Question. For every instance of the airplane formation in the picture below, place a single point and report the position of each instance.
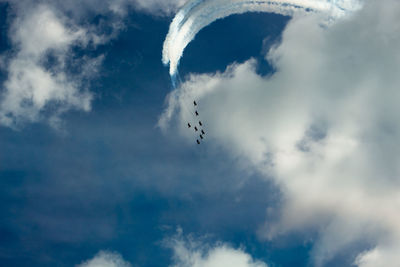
(200, 124)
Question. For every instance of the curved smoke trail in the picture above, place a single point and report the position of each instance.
(197, 14)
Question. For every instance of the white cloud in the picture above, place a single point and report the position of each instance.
(325, 126)
(30, 86)
(82, 8)
(159, 7)
(106, 259)
(196, 254)
(198, 14)
(41, 83)
(386, 255)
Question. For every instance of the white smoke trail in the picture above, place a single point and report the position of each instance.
(197, 14)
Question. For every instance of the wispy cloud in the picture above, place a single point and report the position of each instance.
(158, 7)
(46, 76)
(106, 259)
(188, 252)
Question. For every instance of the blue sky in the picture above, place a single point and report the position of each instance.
(111, 180)
(88, 178)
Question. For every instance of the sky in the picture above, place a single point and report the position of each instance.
(299, 162)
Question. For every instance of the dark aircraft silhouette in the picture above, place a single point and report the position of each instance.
(198, 142)
(189, 125)
(201, 137)
(194, 103)
(202, 132)
(195, 128)
(201, 124)
(197, 114)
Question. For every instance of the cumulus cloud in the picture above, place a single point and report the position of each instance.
(324, 126)
(191, 253)
(385, 255)
(45, 76)
(31, 86)
(106, 259)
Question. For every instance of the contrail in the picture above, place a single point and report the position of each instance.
(197, 14)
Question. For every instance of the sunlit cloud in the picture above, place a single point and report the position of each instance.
(324, 127)
(106, 259)
(188, 252)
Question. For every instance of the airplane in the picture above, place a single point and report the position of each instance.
(202, 132)
(189, 125)
(198, 142)
(201, 124)
(197, 114)
(201, 137)
(195, 128)
(194, 103)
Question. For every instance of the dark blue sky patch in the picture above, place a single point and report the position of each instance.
(4, 26)
(236, 38)
(5, 44)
